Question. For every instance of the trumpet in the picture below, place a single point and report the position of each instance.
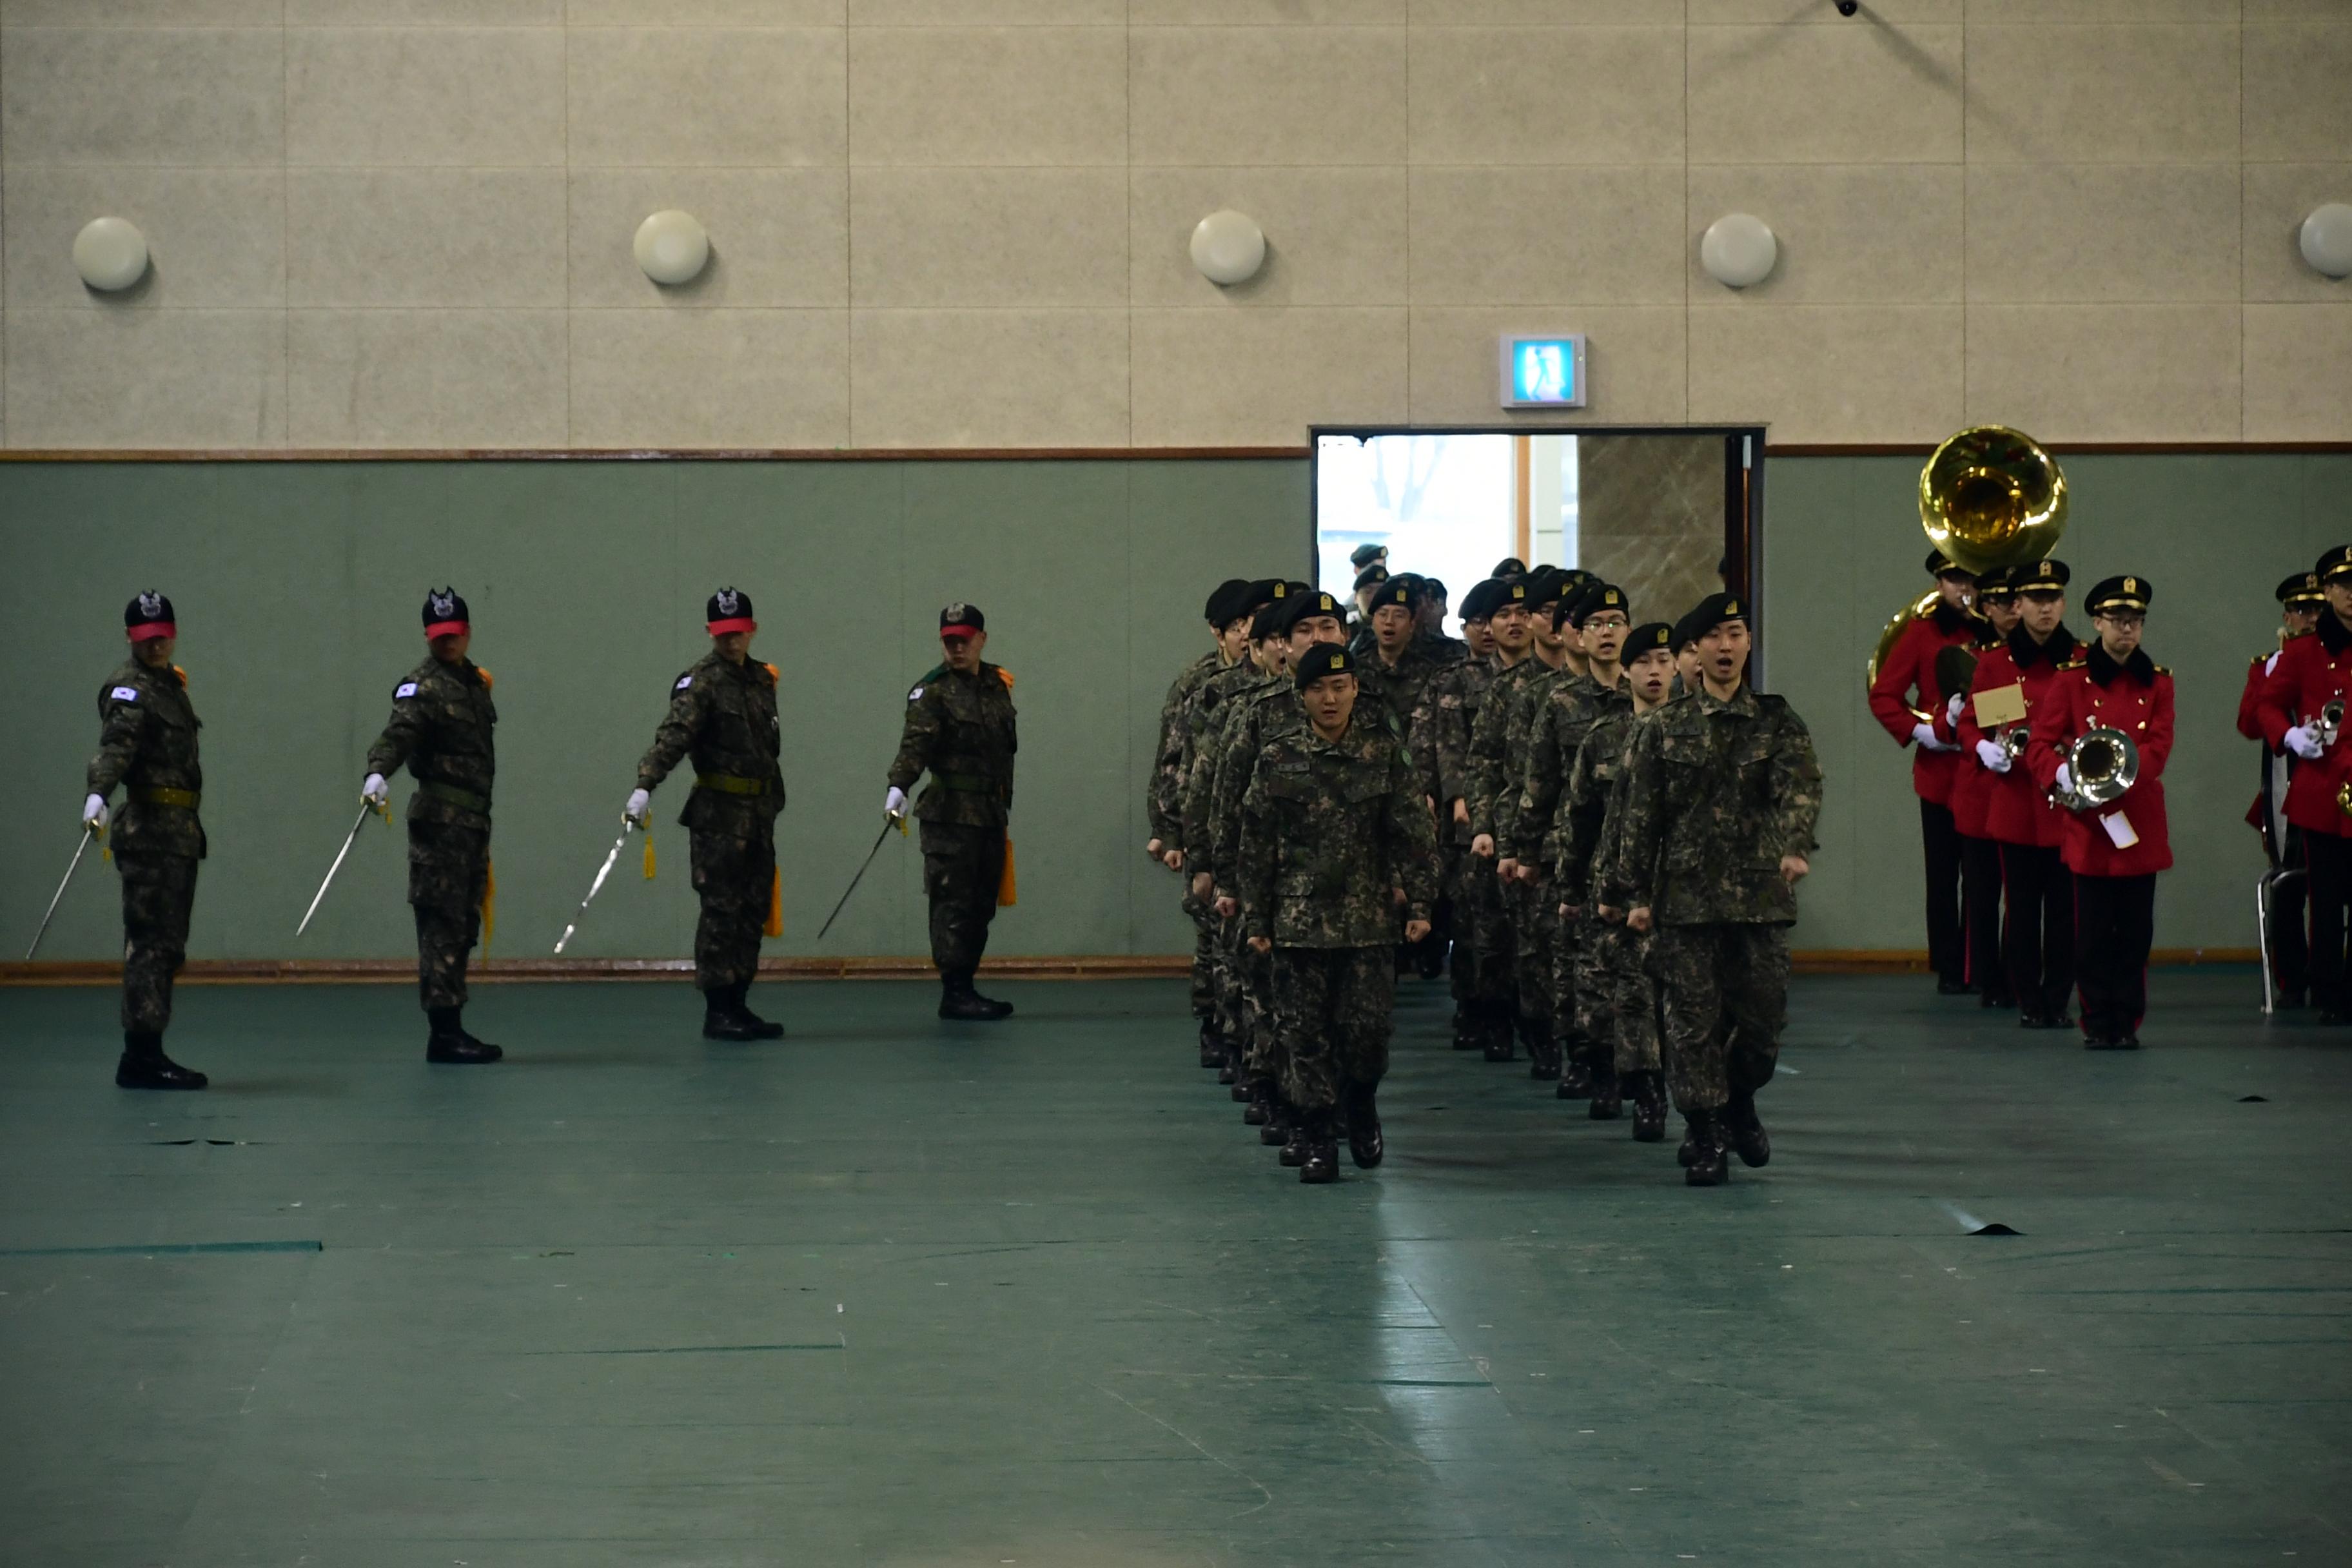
(2012, 741)
(2330, 723)
(2102, 766)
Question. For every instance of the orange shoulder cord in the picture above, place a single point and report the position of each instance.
(486, 681)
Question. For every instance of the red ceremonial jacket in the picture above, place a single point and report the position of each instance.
(2018, 810)
(2310, 672)
(2135, 697)
(2250, 720)
(1911, 667)
(1973, 782)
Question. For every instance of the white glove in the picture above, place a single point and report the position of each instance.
(1994, 756)
(93, 814)
(1952, 710)
(2065, 780)
(1925, 734)
(640, 806)
(895, 803)
(2302, 742)
(374, 791)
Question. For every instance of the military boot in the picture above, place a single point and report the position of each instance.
(448, 1042)
(1281, 1119)
(960, 1002)
(1212, 1045)
(1746, 1130)
(144, 1065)
(1322, 1159)
(1297, 1136)
(1607, 1095)
(1465, 1028)
(1647, 1091)
(1500, 1047)
(1254, 1109)
(1543, 1048)
(1575, 1079)
(1710, 1164)
(724, 1017)
(1366, 1145)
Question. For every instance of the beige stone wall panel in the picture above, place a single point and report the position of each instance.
(987, 378)
(2298, 358)
(425, 236)
(452, 97)
(1830, 372)
(1825, 95)
(214, 237)
(1848, 234)
(2103, 232)
(1547, 95)
(710, 378)
(988, 95)
(1243, 95)
(146, 378)
(1333, 236)
(142, 95)
(706, 95)
(2121, 94)
(425, 378)
(1262, 377)
(2298, 85)
(988, 237)
(2106, 373)
(1519, 235)
(778, 236)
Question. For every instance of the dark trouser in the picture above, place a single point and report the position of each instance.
(1723, 991)
(158, 892)
(1535, 929)
(1633, 998)
(2290, 939)
(1331, 1008)
(734, 877)
(1946, 952)
(2329, 859)
(1261, 1044)
(2040, 945)
(448, 867)
(1980, 893)
(1204, 956)
(963, 866)
(2115, 921)
(1495, 953)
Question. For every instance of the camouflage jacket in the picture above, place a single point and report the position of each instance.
(1329, 828)
(147, 742)
(961, 728)
(724, 715)
(1164, 796)
(1204, 724)
(1580, 848)
(441, 725)
(1443, 649)
(1498, 749)
(1716, 793)
(1561, 714)
(1440, 730)
(1400, 684)
(1266, 709)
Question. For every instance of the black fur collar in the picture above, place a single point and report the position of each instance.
(2105, 669)
(2026, 652)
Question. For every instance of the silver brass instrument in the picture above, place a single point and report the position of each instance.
(2330, 723)
(2102, 764)
(2012, 741)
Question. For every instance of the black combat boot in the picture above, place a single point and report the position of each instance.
(960, 1002)
(1322, 1159)
(1366, 1145)
(1575, 1079)
(1254, 1109)
(1746, 1130)
(1710, 1163)
(1298, 1134)
(1229, 1071)
(1281, 1118)
(1500, 1044)
(724, 1018)
(1465, 1028)
(1608, 1096)
(144, 1065)
(449, 1044)
(1647, 1091)
(1543, 1048)
(1213, 1046)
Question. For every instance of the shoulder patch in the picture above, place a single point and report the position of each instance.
(405, 689)
(916, 695)
(1006, 676)
(684, 681)
(124, 694)
(486, 681)
(774, 675)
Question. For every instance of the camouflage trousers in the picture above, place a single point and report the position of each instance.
(1261, 1046)
(1490, 982)
(1632, 997)
(158, 892)
(1723, 993)
(963, 866)
(448, 866)
(1584, 987)
(733, 876)
(1331, 1012)
(1536, 936)
(1204, 956)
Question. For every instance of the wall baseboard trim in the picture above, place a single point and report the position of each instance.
(1110, 966)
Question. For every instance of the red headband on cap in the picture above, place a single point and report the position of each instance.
(154, 630)
(733, 624)
(960, 630)
(447, 630)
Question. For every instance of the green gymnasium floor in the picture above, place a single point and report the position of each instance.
(883, 1294)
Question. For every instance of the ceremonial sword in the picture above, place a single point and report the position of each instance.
(887, 823)
(88, 833)
(319, 897)
(593, 887)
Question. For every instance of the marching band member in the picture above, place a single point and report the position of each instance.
(2301, 604)
(1972, 785)
(1911, 668)
(2312, 672)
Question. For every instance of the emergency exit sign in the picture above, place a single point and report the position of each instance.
(1543, 372)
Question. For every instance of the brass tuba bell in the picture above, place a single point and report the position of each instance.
(2101, 766)
(1991, 497)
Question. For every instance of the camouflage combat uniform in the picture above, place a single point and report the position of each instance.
(1717, 793)
(1616, 1001)
(1163, 806)
(723, 715)
(1241, 979)
(1329, 829)
(1498, 749)
(441, 724)
(147, 743)
(1566, 712)
(1402, 684)
(960, 729)
(1440, 740)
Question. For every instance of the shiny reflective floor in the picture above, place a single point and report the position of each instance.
(889, 1294)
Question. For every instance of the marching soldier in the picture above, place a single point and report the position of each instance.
(2312, 672)
(1495, 984)
(1434, 602)
(1911, 668)
(442, 728)
(2040, 946)
(1501, 742)
(1333, 827)
(1583, 850)
(1407, 659)
(2301, 604)
(1972, 787)
(960, 726)
(147, 743)
(1359, 600)
(1721, 800)
(2115, 849)
(722, 714)
(1230, 629)
(1441, 733)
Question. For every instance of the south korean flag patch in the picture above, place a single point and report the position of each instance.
(405, 689)
(916, 695)
(684, 681)
(124, 694)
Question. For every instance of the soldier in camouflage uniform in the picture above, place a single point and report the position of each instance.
(722, 714)
(1230, 631)
(1495, 985)
(1440, 738)
(1565, 711)
(959, 727)
(1333, 828)
(1615, 998)
(1717, 823)
(147, 743)
(1431, 613)
(1499, 746)
(1405, 661)
(441, 724)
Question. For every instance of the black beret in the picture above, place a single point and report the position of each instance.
(1649, 635)
(149, 609)
(1941, 565)
(1271, 620)
(2119, 593)
(1323, 659)
(1480, 601)
(1509, 566)
(1717, 609)
(1401, 591)
(728, 610)
(1224, 605)
(1264, 590)
(1433, 587)
(1595, 598)
(960, 616)
(1511, 593)
(444, 612)
(1690, 629)
(2337, 562)
(1313, 602)
(1365, 554)
(1546, 585)
(1375, 572)
(2041, 577)
(2302, 588)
